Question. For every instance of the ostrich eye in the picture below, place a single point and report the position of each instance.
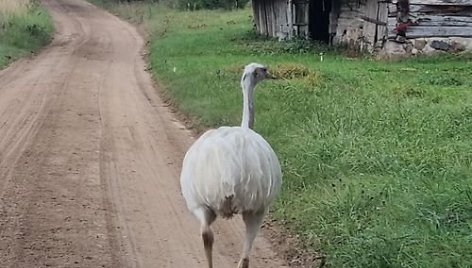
(262, 71)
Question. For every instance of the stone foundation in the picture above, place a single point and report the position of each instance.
(425, 46)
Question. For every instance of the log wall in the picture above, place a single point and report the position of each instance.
(434, 18)
(366, 24)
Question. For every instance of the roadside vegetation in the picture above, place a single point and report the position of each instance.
(24, 28)
(377, 156)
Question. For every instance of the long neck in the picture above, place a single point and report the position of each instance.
(248, 103)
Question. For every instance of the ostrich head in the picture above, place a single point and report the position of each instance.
(253, 74)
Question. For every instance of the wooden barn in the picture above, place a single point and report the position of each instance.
(398, 26)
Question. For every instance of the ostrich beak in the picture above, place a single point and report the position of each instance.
(270, 76)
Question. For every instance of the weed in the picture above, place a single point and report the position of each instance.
(25, 27)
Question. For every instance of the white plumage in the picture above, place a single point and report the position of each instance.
(230, 162)
(232, 170)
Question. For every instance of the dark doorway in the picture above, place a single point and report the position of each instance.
(319, 20)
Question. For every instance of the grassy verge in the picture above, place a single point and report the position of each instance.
(24, 28)
(377, 156)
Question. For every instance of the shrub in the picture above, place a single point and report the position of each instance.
(212, 4)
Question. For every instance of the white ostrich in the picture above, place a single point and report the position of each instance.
(232, 170)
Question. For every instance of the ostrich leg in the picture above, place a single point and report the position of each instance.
(206, 217)
(253, 223)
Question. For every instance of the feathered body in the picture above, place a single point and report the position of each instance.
(230, 170)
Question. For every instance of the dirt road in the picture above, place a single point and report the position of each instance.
(90, 158)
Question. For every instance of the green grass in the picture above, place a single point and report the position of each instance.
(376, 155)
(23, 32)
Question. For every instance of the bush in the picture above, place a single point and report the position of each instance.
(32, 30)
(23, 28)
(212, 4)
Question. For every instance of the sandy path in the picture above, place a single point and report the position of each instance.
(90, 158)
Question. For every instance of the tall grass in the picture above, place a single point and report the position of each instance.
(377, 156)
(24, 27)
(13, 7)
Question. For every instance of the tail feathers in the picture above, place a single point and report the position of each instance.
(228, 208)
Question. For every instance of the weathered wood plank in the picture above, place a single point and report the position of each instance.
(349, 23)
(270, 18)
(428, 20)
(370, 28)
(257, 17)
(434, 10)
(382, 16)
(280, 18)
(263, 17)
(345, 8)
(391, 25)
(439, 2)
(373, 21)
(333, 18)
(447, 31)
(290, 19)
(349, 13)
(278, 13)
(350, 16)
